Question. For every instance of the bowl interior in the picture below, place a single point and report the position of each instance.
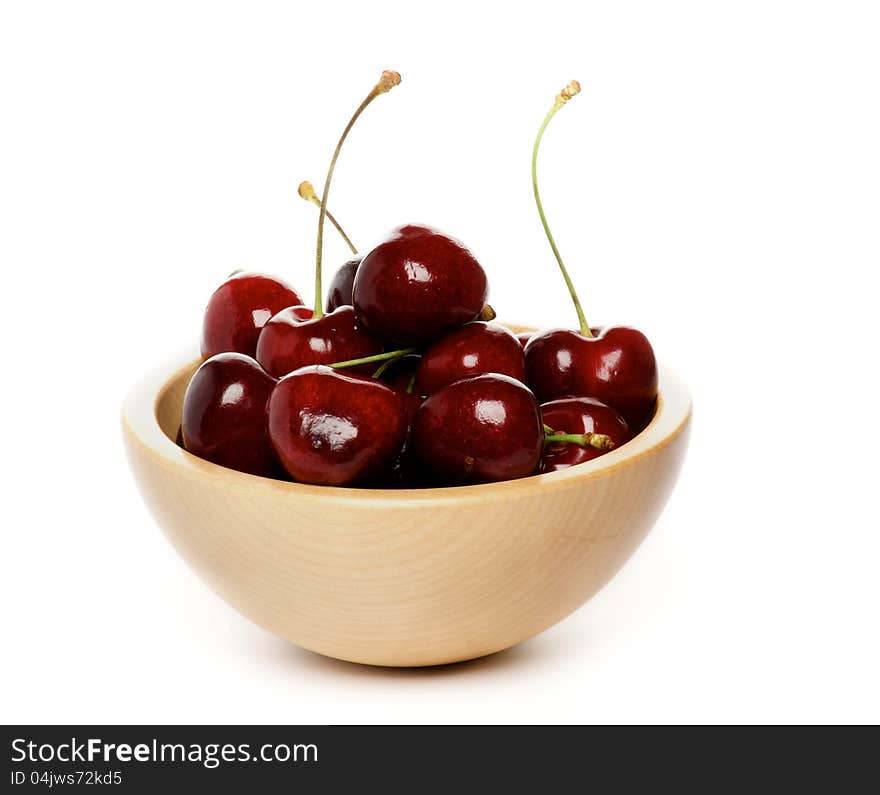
(169, 400)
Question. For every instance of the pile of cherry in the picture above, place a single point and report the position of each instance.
(402, 380)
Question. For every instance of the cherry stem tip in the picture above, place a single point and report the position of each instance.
(598, 440)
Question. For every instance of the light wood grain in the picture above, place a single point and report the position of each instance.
(402, 578)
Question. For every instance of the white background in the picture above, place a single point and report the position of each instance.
(715, 184)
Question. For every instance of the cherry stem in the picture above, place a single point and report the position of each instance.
(548, 430)
(383, 367)
(566, 94)
(307, 191)
(379, 357)
(386, 82)
(598, 440)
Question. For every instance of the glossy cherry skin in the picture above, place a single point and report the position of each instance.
(418, 285)
(617, 366)
(477, 430)
(525, 337)
(294, 339)
(473, 349)
(341, 285)
(238, 310)
(224, 415)
(333, 429)
(579, 415)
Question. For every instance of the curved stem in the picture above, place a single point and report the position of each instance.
(386, 83)
(379, 357)
(383, 367)
(308, 193)
(566, 94)
(598, 440)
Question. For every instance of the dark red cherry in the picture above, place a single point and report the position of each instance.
(333, 429)
(224, 414)
(418, 285)
(580, 415)
(473, 349)
(479, 429)
(238, 310)
(339, 293)
(294, 339)
(616, 366)
(524, 337)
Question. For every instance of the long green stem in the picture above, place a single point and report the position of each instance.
(598, 440)
(379, 357)
(307, 191)
(566, 94)
(385, 84)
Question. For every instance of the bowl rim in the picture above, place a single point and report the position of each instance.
(141, 426)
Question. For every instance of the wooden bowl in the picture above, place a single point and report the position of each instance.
(402, 578)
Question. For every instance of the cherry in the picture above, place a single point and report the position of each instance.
(224, 415)
(479, 429)
(238, 310)
(473, 349)
(295, 338)
(341, 285)
(617, 365)
(417, 285)
(581, 429)
(334, 429)
(524, 337)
